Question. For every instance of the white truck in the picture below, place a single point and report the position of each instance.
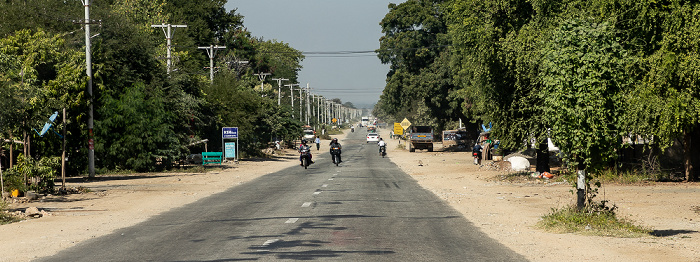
(365, 121)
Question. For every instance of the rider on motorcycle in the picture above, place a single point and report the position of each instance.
(381, 144)
(336, 148)
(476, 152)
(306, 147)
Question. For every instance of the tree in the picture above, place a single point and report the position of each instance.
(666, 103)
(141, 133)
(415, 45)
(583, 72)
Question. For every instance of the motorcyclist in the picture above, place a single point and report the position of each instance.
(381, 144)
(333, 145)
(476, 152)
(306, 147)
(352, 128)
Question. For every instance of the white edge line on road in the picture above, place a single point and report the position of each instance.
(306, 204)
(317, 192)
(330, 179)
(289, 221)
(324, 185)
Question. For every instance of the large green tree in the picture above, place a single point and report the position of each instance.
(415, 45)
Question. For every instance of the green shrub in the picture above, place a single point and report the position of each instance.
(602, 222)
(44, 171)
(6, 218)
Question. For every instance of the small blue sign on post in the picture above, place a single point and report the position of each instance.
(230, 150)
(229, 132)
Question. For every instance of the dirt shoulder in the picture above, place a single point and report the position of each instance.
(506, 212)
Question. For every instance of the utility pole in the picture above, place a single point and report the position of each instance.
(301, 108)
(262, 76)
(308, 105)
(88, 71)
(211, 51)
(279, 88)
(169, 30)
(291, 95)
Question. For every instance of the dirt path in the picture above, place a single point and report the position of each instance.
(506, 212)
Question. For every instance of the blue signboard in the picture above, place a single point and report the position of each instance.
(229, 132)
(230, 150)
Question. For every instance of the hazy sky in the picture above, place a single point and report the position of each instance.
(326, 26)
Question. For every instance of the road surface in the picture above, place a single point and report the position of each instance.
(366, 209)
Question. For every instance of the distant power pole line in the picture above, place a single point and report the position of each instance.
(211, 51)
(279, 88)
(169, 30)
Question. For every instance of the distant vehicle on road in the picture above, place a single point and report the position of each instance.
(420, 137)
(309, 135)
(372, 137)
(365, 121)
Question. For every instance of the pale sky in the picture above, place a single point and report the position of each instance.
(326, 26)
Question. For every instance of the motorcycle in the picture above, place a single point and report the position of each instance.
(335, 154)
(382, 151)
(352, 129)
(305, 158)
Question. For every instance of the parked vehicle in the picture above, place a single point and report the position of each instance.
(420, 137)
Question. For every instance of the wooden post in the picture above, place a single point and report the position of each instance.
(2, 182)
(63, 154)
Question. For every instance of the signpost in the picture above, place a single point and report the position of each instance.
(405, 124)
(229, 133)
(398, 129)
(230, 150)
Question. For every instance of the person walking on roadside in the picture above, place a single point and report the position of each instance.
(318, 143)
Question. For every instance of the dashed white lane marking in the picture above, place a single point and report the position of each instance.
(324, 185)
(306, 204)
(330, 179)
(290, 221)
(317, 192)
(266, 244)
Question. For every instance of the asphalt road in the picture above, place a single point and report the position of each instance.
(366, 209)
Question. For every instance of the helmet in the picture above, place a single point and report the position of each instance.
(303, 142)
(335, 140)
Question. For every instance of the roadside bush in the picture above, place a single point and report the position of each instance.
(42, 172)
(6, 218)
(595, 218)
(602, 222)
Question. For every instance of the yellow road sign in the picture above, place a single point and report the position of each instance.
(405, 123)
(334, 120)
(398, 129)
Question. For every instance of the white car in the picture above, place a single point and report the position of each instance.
(372, 137)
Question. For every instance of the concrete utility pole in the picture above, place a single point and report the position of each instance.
(291, 95)
(279, 88)
(211, 51)
(88, 71)
(169, 30)
(301, 108)
(308, 105)
(262, 76)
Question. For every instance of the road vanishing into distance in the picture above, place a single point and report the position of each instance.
(366, 209)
